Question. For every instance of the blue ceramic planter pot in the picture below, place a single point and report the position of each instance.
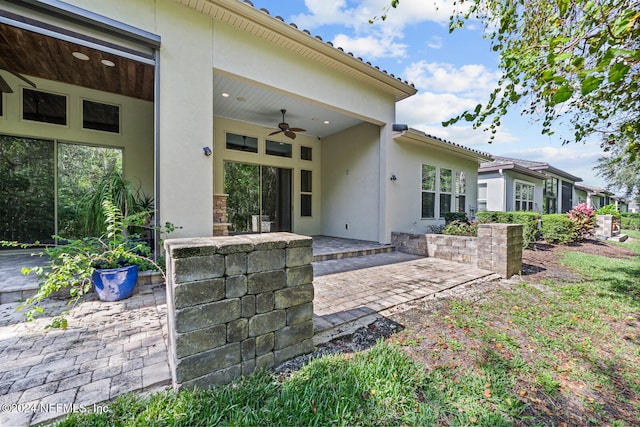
(114, 284)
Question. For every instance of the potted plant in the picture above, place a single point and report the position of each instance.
(108, 263)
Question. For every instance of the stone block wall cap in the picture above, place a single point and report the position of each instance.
(221, 195)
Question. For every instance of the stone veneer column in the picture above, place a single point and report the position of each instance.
(500, 248)
(220, 224)
(237, 304)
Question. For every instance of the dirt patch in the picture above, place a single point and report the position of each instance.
(542, 261)
(431, 334)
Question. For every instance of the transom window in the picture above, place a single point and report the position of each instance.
(280, 149)
(242, 143)
(44, 107)
(100, 116)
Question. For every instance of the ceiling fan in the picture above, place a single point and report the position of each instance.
(4, 86)
(284, 127)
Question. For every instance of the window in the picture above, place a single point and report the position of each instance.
(550, 201)
(461, 191)
(242, 143)
(482, 197)
(446, 188)
(524, 196)
(306, 153)
(99, 116)
(280, 149)
(305, 190)
(428, 191)
(44, 107)
(1, 104)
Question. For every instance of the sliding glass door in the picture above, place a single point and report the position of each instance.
(43, 183)
(259, 198)
(27, 195)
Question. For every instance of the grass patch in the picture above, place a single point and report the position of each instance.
(531, 354)
(381, 386)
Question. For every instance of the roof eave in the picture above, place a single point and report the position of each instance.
(244, 11)
(415, 136)
(514, 167)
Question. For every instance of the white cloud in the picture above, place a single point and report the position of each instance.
(473, 79)
(370, 47)
(434, 42)
(428, 107)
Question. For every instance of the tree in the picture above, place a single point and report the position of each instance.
(573, 60)
(621, 169)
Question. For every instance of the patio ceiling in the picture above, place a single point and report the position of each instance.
(33, 54)
(258, 105)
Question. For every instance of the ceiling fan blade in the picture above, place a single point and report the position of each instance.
(290, 134)
(273, 133)
(297, 129)
(4, 86)
(23, 78)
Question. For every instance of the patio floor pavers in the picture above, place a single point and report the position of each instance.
(113, 348)
(108, 349)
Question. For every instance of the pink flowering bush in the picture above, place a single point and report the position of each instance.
(584, 219)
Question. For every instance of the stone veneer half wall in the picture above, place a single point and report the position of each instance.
(497, 248)
(237, 304)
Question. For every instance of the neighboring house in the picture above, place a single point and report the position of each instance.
(597, 197)
(189, 94)
(507, 184)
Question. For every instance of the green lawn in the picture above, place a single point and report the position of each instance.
(525, 354)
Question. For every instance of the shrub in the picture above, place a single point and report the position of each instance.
(529, 221)
(558, 228)
(461, 228)
(455, 216)
(609, 210)
(583, 218)
(630, 220)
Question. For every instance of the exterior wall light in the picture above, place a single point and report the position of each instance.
(393, 178)
(207, 151)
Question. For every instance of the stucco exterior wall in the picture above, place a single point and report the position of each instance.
(404, 194)
(496, 197)
(136, 126)
(501, 190)
(246, 57)
(350, 183)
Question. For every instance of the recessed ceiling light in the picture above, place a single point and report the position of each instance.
(108, 63)
(326, 122)
(224, 94)
(81, 56)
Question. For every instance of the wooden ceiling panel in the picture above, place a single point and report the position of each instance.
(34, 54)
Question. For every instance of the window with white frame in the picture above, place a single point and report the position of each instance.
(461, 191)
(428, 191)
(524, 196)
(482, 197)
(446, 188)
(305, 192)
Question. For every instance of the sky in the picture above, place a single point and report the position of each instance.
(452, 72)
